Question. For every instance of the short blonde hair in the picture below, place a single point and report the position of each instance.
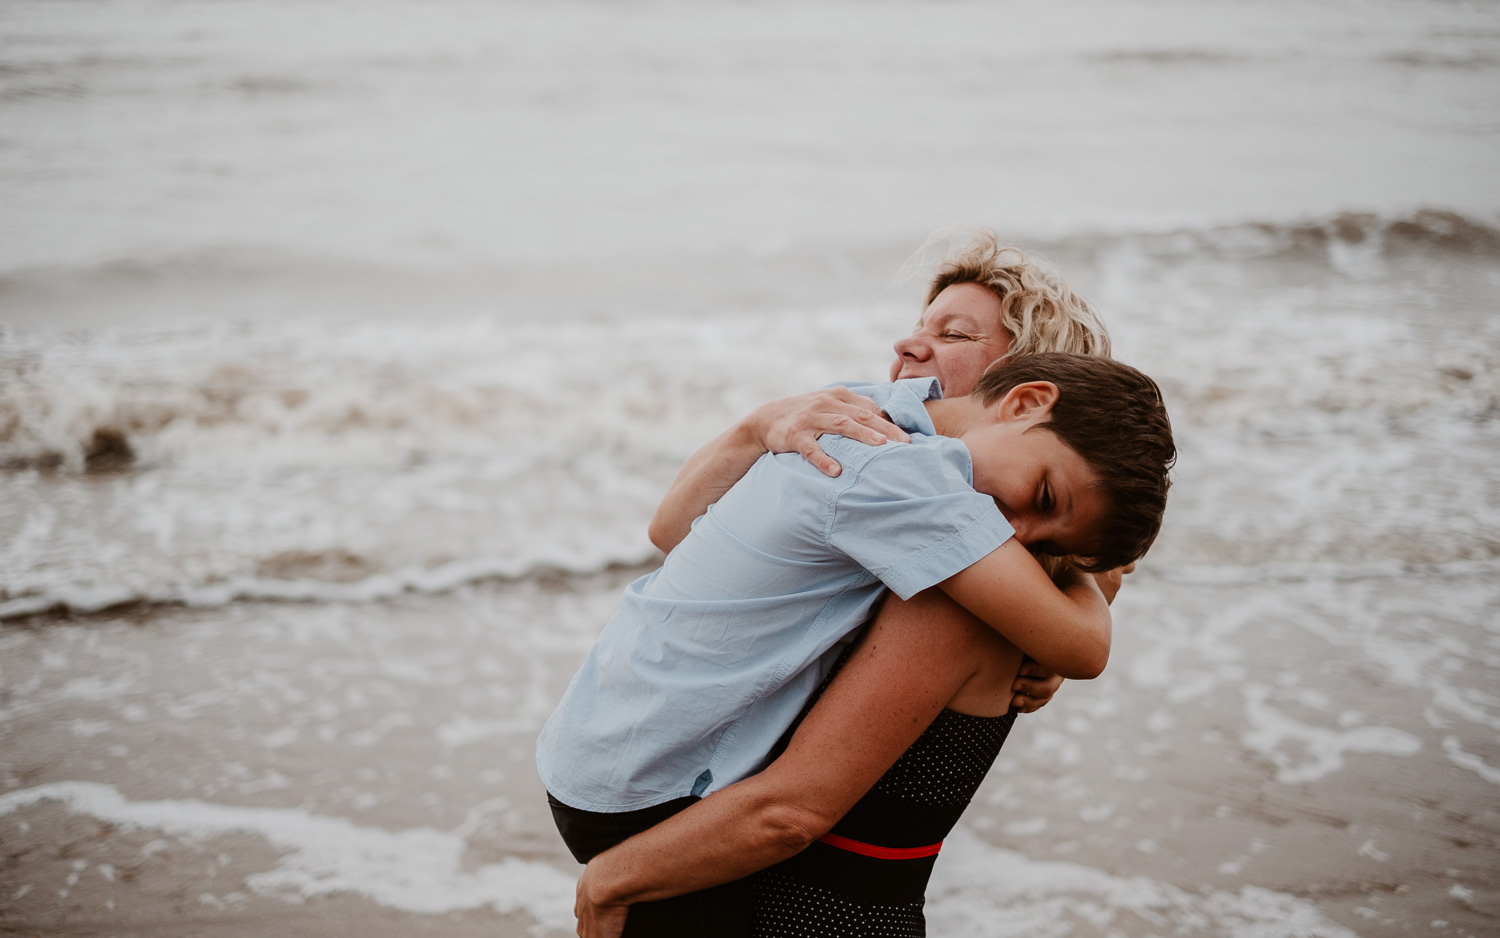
(1039, 310)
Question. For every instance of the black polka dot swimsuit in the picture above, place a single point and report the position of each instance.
(868, 877)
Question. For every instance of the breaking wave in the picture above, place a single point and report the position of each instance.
(1334, 385)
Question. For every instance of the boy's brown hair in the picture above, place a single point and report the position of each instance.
(1113, 416)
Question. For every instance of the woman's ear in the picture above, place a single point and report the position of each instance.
(1031, 401)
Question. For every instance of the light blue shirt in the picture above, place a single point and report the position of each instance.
(710, 658)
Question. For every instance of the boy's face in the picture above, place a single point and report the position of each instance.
(1047, 492)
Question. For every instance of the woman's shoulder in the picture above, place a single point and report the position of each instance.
(989, 691)
(932, 631)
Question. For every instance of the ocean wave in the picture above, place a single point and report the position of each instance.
(307, 460)
(72, 600)
(1345, 417)
(1171, 57)
(1422, 58)
(1342, 243)
(1315, 572)
(284, 393)
(216, 265)
(1419, 231)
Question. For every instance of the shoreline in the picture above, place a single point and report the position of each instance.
(281, 763)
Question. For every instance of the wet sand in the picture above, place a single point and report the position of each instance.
(1248, 765)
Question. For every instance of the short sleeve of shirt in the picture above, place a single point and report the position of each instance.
(912, 518)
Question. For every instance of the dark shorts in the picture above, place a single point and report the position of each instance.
(709, 913)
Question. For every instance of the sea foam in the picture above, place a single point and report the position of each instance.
(415, 870)
(978, 889)
(1331, 425)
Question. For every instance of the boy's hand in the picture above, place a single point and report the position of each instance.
(793, 424)
(596, 920)
(1034, 688)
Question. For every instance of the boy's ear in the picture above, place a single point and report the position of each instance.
(1030, 401)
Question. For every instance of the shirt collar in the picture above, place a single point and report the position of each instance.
(904, 406)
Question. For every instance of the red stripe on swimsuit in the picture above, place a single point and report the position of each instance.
(881, 853)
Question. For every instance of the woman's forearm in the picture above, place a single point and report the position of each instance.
(746, 827)
(909, 664)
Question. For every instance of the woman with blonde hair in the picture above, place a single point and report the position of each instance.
(987, 302)
(897, 742)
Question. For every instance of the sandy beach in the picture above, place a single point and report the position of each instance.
(272, 768)
(345, 350)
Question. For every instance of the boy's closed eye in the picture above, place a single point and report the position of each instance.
(1044, 500)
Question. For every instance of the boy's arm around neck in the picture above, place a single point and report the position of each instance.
(1064, 627)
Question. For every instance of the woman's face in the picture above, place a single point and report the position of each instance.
(958, 339)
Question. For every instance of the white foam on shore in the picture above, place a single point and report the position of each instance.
(1467, 760)
(1325, 748)
(380, 586)
(1279, 573)
(312, 461)
(990, 892)
(978, 889)
(418, 870)
(308, 462)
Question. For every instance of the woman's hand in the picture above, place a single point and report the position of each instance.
(793, 424)
(596, 920)
(790, 425)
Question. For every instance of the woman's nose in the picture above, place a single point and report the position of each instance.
(914, 348)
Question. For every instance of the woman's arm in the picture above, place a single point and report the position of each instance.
(789, 425)
(916, 658)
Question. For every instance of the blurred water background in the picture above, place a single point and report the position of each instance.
(408, 312)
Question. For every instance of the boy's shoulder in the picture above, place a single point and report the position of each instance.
(929, 462)
(903, 401)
